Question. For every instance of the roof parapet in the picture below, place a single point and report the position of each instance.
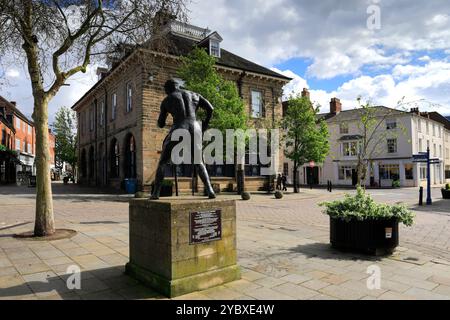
(189, 31)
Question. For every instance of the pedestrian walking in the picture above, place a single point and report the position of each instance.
(284, 182)
(279, 180)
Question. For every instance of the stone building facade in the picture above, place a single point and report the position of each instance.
(117, 118)
(400, 135)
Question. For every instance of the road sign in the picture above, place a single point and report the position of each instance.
(420, 157)
(424, 157)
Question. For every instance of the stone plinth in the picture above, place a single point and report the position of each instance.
(166, 256)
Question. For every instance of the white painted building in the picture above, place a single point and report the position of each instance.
(401, 134)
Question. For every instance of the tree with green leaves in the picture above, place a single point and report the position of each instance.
(200, 75)
(305, 136)
(65, 127)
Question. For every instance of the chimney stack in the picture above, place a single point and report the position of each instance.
(13, 103)
(335, 106)
(305, 93)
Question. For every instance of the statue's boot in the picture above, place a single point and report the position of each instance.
(156, 191)
(206, 181)
(154, 197)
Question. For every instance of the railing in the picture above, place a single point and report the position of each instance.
(189, 30)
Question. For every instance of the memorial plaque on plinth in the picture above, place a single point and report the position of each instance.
(182, 245)
(205, 226)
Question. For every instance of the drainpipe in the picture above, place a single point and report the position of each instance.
(275, 94)
(240, 83)
(96, 142)
(240, 178)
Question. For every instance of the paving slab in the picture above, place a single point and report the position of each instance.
(283, 249)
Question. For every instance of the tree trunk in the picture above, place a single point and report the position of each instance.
(361, 171)
(44, 224)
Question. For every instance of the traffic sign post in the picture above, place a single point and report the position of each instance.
(429, 200)
(424, 157)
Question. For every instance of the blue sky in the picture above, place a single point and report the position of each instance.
(300, 67)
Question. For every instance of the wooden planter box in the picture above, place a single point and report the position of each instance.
(445, 194)
(370, 236)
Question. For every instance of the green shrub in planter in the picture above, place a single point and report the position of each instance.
(447, 186)
(278, 194)
(396, 184)
(245, 196)
(358, 223)
(362, 207)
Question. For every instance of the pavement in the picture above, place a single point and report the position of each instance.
(283, 250)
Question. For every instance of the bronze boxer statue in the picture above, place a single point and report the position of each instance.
(182, 105)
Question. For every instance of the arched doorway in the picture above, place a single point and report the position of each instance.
(83, 164)
(130, 157)
(114, 159)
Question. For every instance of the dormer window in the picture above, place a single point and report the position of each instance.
(212, 44)
(214, 48)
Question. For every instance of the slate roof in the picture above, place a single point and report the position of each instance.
(436, 116)
(354, 114)
(181, 46)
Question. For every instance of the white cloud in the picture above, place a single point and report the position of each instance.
(19, 90)
(12, 73)
(430, 83)
(333, 35)
(295, 86)
(424, 58)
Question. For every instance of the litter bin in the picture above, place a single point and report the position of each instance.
(130, 186)
(32, 181)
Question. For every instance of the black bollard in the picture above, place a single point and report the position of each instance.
(421, 196)
(331, 186)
